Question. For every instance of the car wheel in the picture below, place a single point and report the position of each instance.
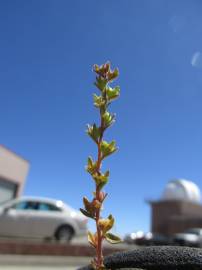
(64, 234)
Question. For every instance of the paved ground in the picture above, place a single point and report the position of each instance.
(19, 267)
(17, 262)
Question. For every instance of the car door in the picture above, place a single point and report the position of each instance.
(200, 238)
(14, 220)
(47, 218)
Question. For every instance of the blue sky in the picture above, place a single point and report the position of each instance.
(47, 50)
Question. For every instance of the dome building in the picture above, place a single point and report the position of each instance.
(178, 209)
(182, 189)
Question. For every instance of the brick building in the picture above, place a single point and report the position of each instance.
(179, 208)
(13, 172)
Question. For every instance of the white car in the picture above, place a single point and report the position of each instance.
(41, 218)
(191, 237)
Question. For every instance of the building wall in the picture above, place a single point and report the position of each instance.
(169, 217)
(13, 168)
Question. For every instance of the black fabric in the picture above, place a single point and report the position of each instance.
(155, 258)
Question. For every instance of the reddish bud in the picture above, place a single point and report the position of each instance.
(101, 196)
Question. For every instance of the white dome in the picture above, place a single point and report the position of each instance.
(182, 189)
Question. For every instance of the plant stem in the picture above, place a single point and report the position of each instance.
(99, 239)
(99, 233)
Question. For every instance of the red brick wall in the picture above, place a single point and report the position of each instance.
(169, 217)
(9, 247)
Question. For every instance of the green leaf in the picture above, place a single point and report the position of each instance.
(107, 148)
(87, 214)
(113, 239)
(87, 205)
(100, 83)
(108, 119)
(113, 75)
(96, 68)
(107, 174)
(94, 132)
(92, 239)
(106, 224)
(113, 93)
(90, 207)
(90, 161)
(101, 179)
(98, 101)
(91, 166)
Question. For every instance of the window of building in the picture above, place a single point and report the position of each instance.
(7, 190)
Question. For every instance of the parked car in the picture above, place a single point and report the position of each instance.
(138, 238)
(160, 240)
(191, 237)
(41, 218)
(148, 239)
(134, 238)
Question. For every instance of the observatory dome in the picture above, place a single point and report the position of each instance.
(181, 189)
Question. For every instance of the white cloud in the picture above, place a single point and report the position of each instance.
(196, 60)
(176, 23)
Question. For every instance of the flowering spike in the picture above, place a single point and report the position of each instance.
(92, 209)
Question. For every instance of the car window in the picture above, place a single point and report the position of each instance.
(49, 207)
(19, 206)
(26, 205)
(194, 231)
(32, 205)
